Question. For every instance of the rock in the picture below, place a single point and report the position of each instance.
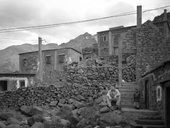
(35, 118)
(13, 126)
(88, 112)
(77, 104)
(88, 126)
(82, 123)
(53, 103)
(25, 109)
(104, 109)
(12, 120)
(99, 100)
(6, 115)
(64, 122)
(62, 101)
(2, 125)
(112, 118)
(37, 125)
(65, 112)
(56, 122)
(35, 110)
(75, 114)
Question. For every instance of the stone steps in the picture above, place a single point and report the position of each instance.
(149, 120)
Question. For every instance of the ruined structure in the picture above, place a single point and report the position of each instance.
(13, 81)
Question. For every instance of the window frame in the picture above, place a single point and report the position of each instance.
(48, 59)
(59, 60)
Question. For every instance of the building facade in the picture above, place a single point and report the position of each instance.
(13, 81)
(53, 62)
(155, 91)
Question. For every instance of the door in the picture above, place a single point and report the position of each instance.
(3, 85)
(167, 109)
(146, 94)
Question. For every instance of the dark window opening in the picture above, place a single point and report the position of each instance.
(104, 38)
(61, 59)
(80, 58)
(25, 63)
(3, 85)
(48, 59)
(22, 83)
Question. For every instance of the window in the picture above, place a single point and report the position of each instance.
(48, 59)
(159, 93)
(61, 59)
(116, 51)
(22, 83)
(104, 38)
(25, 63)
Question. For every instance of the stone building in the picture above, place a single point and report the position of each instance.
(150, 43)
(13, 81)
(53, 62)
(108, 41)
(155, 90)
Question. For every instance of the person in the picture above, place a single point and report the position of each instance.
(136, 97)
(113, 97)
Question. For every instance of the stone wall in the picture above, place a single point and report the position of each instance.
(42, 96)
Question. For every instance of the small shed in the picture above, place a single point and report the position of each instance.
(155, 91)
(13, 81)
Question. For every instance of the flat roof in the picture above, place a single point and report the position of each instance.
(51, 50)
(16, 74)
(117, 28)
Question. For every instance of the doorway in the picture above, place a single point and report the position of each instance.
(167, 106)
(146, 94)
(3, 85)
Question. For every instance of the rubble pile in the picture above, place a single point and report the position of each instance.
(100, 74)
(72, 106)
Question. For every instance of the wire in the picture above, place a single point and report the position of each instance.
(75, 22)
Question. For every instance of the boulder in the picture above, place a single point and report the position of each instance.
(13, 126)
(2, 125)
(25, 109)
(35, 110)
(37, 125)
(13, 120)
(35, 118)
(6, 115)
(104, 109)
(53, 103)
(112, 118)
(56, 122)
(82, 123)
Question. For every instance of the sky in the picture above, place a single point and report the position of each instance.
(19, 13)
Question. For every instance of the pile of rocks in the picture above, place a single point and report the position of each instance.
(101, 74)
(75, 105)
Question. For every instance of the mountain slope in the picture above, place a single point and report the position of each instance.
(10, 59)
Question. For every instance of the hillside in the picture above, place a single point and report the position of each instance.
(10, 59)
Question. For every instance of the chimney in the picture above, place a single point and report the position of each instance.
(139, 16)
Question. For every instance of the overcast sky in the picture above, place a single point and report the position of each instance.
(18, 13)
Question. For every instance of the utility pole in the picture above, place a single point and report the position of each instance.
(40, 71)
(138, 47)
(120, 47)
